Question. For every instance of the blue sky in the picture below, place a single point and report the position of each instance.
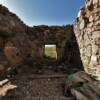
(47, 12)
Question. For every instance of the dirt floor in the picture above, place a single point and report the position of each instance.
(48, 85)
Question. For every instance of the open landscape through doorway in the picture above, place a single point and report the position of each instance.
(50, 51)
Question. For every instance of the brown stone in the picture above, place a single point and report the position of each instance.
(95, 2)
(82, 24)
(91, 18)
(94, 49)
(82, 87)
(77, 79)
(12, 53)
(94, 59)
(86, 92)
(1, 67)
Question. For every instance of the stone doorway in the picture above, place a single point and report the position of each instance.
(50, 52)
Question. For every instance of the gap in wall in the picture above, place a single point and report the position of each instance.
(50, 51)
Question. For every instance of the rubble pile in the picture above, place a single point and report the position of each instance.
(87, 31)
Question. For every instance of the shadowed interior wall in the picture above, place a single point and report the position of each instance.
(21, 44)
(64, 39)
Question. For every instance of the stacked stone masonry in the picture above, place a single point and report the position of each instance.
(87, 31)
(21, 44)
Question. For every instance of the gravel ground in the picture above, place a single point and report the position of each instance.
(36, 88)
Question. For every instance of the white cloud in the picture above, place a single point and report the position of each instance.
(3, 2)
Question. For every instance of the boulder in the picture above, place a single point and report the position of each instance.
(82, 86)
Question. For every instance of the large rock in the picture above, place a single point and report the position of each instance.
(82, 86)
(89, 91)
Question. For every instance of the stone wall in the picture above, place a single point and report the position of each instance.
(57, 35)
(13, 40)
(87, 31)
(61, 36)
(21, 44)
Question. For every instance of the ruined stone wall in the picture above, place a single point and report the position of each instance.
(87, 31)
(13, 40)
(21, 44)
(61, 36)
(57, 35)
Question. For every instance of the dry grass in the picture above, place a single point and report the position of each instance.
(51, 52)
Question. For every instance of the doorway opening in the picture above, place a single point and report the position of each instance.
(50, 52)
